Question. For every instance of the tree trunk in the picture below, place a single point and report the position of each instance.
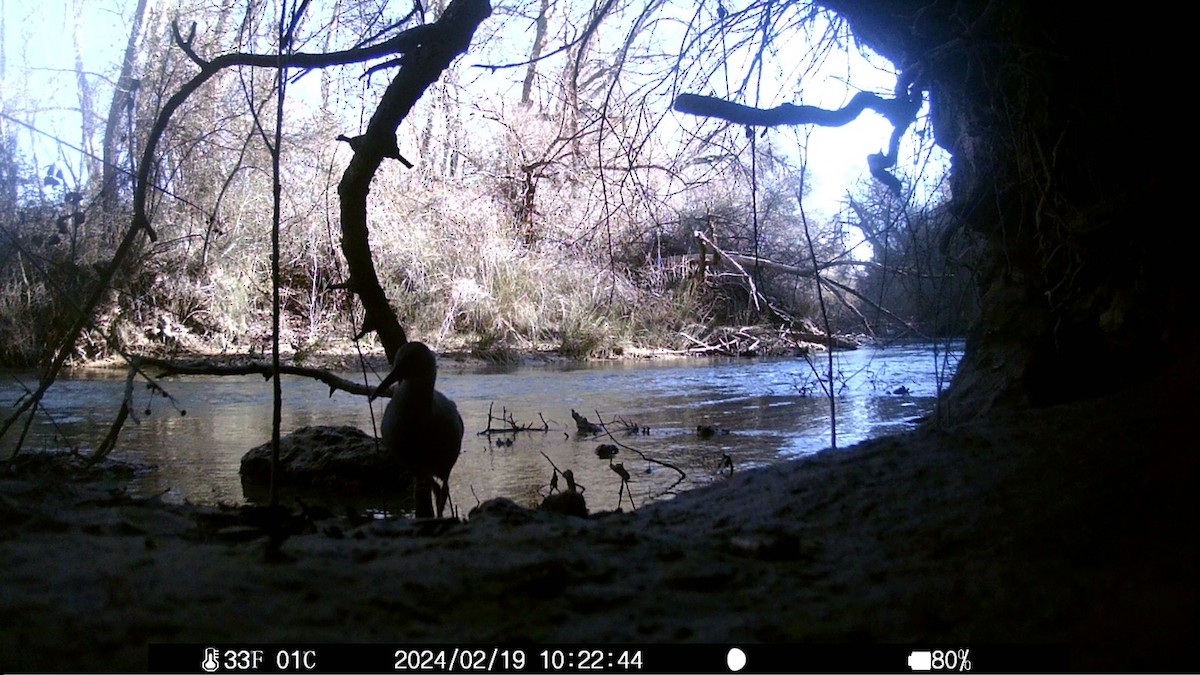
(1058, 165)
(118, 109)
(541, 29)
(87, 111)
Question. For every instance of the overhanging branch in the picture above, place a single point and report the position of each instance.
(787, 114)
(901, 111)
(266, 370)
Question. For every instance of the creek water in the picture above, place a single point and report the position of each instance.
(772, 410)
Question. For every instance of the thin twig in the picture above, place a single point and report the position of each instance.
(812, 253)
(513, 427)
(682, 473)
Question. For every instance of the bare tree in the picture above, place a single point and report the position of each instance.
(120, 111)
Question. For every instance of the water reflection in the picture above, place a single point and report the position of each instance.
(773, 408)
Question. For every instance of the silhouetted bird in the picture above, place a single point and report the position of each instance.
(422, 429)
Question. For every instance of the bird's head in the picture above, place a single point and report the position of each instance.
(413, 361)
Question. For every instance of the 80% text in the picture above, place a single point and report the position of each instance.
(953, 660)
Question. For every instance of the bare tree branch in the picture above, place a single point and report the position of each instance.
(901, 111)
(257, 368)
(440, 43)
(789, 114)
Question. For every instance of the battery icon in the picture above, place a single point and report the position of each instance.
(920, 661)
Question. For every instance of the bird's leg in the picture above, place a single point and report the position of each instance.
(443, 495)
(425, 488)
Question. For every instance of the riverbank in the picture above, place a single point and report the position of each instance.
(1070, 525)
(698, 341)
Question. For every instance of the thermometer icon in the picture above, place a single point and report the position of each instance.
(209, 664)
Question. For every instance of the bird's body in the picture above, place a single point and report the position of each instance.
(421, 428)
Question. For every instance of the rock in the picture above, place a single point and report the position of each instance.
(501, 509)
(705, 431)
(569, 503)
(324, 457)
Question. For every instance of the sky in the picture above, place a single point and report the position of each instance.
(39, 61)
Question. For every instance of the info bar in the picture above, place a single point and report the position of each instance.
(625, 659)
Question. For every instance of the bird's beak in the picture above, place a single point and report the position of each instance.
(388, 381)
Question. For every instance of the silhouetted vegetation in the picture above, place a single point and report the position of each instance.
(921, 285)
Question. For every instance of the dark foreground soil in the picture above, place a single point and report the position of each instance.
(1072, 525)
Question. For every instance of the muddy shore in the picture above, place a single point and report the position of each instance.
(1070, 525)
